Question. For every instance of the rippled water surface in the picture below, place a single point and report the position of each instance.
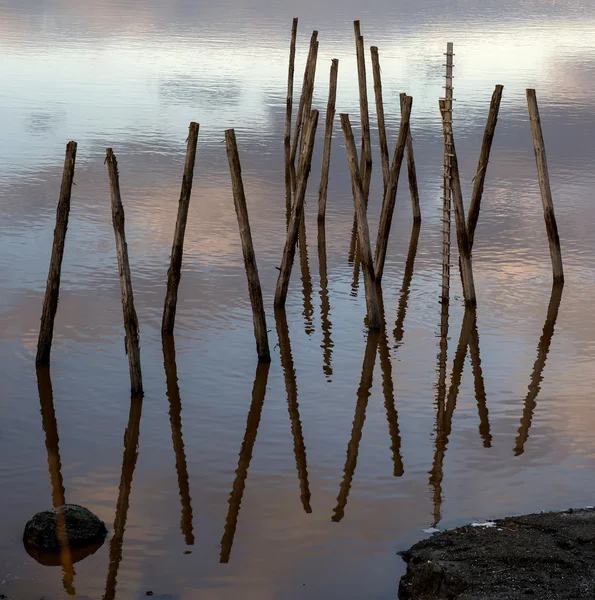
(305, 479)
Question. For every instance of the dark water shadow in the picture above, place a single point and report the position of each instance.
(235, 498)
(479, 385)
(52, 445)
(129, 459)
(407, 277)
(363, 395)
(289, 374)
(543, 348)
(306, 278)
(175, 418)
(388, 390)
(325, 305)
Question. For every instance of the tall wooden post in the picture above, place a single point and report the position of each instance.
(412, 173)
(177, 250)
(130, 319)
(328, 134)
(50, 302)
(380, 115)
(363, 231)
(366, 155)
(289, 100)
(544, 184)
(254, 289)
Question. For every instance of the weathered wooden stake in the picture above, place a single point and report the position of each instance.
(328, 134)
(482, 165)
(366, 155)
(388, 204)
(459, 208)
(177, 249)
(130, 319)
(307, 89)
(50, 302)
(289, 101)
(411, 173)
(546, 192)
(380, 115)
(363, 232)
(304, 164)
(254, 289)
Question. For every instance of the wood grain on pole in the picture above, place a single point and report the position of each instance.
(289, 100)
(309, 74)
(461, 225)
(366, 155)
(50, 302)
(482, 165)
(388, 204)
(304, 164)
(365, 251)
(380, 115)
(328, 134)
(411, 172)
(130, 319)
(177, 249)
(254, 289)
(544, 185)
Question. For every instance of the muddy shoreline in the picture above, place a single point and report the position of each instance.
(546, 556)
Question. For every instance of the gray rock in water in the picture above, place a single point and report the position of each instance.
(82, 528)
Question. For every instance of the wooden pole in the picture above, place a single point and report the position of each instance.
(363, 232)
(543, 348)
(325, 305)
(366, 155)
(388, 204)
(130, 319)
(177, 250)
(253, 421)
(412, 173)
(380, 115)
(304, 164)
(289, 374)
(544, 185)
(328, 134)
(289, 100)
(50, 302)
(363, 395)
(482, 165)
(459, 208)
(175, 418)
(308, 84)
(254, 289)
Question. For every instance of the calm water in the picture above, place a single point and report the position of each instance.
(312, 524)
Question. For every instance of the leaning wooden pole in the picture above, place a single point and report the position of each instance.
(289, 100)
(380, 115)
(177, 249)
(328, 134)
(484, 157)
(50, 302)
(544, 185)
(412, 173)
(254, 289)
(304, 164)
(363, 232)
(459, 208)
(309, 75)
(388, 203)
(130, 319)
(366, 155)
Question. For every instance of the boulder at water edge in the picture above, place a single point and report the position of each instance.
(82, 528)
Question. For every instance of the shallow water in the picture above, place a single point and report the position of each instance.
(343, 461)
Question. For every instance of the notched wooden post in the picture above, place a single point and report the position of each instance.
(544, 184)
(363, 231)
(177, 250)
(328, 134)
(52, 290)
(304, 164)
(254, 289)
(130, 319)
